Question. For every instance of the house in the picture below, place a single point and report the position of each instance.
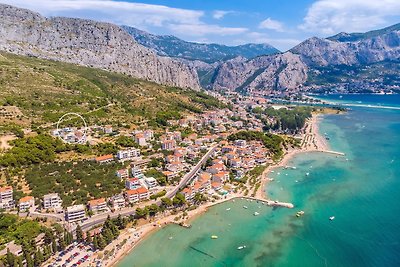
(122, 174)
(148, 135)
(52, 201)
(132, 183)
(6, 197)
(98, 205)
(216, 186)
(117, 201)
(132, 196)
(150, 182)
(75, 213)
(26, 203)
(143, 193)
(169, 174)
(108, 129)
(235, 163)
(140, 163)
(168, 145)
(213, 169)
(140, 139)
(240, 143)
(104, 159)
(221, 177)
(128, 154)
(175, 167)
(136, 172)
(227, 149)
(188, 194)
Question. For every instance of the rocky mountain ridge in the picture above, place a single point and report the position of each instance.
(290, 70)
(168, 45)
(88, 43)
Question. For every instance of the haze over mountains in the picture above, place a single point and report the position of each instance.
(347, 61)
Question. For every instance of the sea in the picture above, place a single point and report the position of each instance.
(361, 190)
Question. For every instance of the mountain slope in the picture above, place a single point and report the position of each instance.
(353, 37)
(174, 47)
(44, 90)
(88, 43)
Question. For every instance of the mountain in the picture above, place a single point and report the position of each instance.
(346, 61)
(88, 43)
(167, 45)
(41, 91)
(353, 37)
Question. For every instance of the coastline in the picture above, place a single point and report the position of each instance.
(313, 142)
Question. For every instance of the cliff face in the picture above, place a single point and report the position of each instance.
(88, 43)
(282, 71)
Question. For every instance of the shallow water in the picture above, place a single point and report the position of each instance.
(362, 191)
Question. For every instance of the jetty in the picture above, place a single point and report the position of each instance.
(272, 203)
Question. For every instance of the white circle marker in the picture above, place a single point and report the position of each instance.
(84, 130)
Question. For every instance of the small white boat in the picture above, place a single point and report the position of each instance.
(245, 207)
(296, 181)
(241, 247)
(331, 218)
(307, 174)
(228, 209)
(256, 213)
(214, 237)
(170, 237)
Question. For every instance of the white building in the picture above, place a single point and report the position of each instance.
(128, 154)
(26, 203)
(98, 205)
(52, 201)
(122, 174)
(117, 201)
(132, 183)
(150, 182)
(75, 213)
(6, 197)
(136, 172)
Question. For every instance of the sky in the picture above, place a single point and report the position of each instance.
(281, 23)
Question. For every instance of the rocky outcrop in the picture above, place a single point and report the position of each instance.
(88, 43)
(282, 71)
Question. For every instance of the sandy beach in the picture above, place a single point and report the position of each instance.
(312, 142)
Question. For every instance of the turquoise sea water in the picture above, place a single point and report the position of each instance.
(362, 191)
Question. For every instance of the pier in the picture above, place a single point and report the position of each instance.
(331, 152)
(272, 203)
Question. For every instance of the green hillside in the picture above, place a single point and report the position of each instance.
(43, 90)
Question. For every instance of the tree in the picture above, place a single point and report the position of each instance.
(38, 258)
(179, 199)
(95, 243)
(141, 213)
(20, 262)
(166, 202)
(62, 244)
(198, 198)
(107, 235)
(153, 209)
(101, 242)
(54, 246)
(79, 234)
(89, 239)
(10, 258)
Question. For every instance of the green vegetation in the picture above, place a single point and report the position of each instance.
(161, 178)
(45, 90)
(76, 182)
(19, 230)
(271, 141)
(31, 150)
(159, 194)
(288, 120)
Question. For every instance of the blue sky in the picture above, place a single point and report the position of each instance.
(282, 23)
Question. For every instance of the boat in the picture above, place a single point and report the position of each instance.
(256, 213)
(214, 237)
(228, 209)
(241, 247)
(331, 218)
(170, 237)
(245, 207)
(299, 213)
(307, 174)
